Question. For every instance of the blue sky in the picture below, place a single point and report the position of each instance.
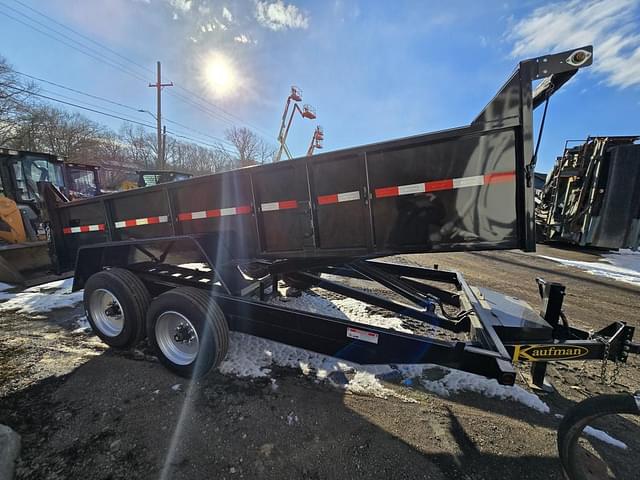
(373, 70)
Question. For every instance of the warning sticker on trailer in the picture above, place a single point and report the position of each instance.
(362, 335)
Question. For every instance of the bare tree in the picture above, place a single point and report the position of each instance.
(141, 146)
(15, 96)
(250, 148)
(48, 129)
(195, 158)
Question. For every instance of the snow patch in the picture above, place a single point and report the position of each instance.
(623, 266)
(42, 298)
(455, 381)
(604, 437)
(345, 308)
(250, 356)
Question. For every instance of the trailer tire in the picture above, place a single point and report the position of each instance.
(577, 419)
(188, 331)
(128, 295)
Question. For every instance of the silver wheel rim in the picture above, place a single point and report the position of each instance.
(177, 338)
(106, 312)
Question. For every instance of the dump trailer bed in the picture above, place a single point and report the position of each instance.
(467, 188)
(183, 262)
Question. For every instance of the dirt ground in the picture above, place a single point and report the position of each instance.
(85, 411)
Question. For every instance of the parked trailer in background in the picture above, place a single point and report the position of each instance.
(463, 189)
(592, 196)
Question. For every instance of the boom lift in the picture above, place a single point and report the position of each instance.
(462, 189)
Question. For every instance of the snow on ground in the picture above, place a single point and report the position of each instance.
(4, 295)
(623, 266)
(604, 437)
(455, 381)
(42, 298)
(251, 356)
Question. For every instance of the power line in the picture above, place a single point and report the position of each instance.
(97, 97)
(99, 112)
(106, 100)
(109, 62)
(184, 89)
(84, 36)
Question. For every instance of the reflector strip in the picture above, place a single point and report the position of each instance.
(284, 205)
(136, 222)
(338, 198)
(219, 212)
(363, 335)
(447, 184)
(83, 229)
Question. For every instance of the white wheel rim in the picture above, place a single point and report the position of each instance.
(106, 312)
(177, 338)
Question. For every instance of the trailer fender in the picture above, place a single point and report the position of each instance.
(92, 259)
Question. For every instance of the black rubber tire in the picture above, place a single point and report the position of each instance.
(134, 299)
(199, 307)
(579, 416)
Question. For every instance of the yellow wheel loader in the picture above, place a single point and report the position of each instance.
(24, 256)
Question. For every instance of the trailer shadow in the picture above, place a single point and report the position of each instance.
(114, 417)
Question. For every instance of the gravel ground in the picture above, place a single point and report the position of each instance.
(85, 411)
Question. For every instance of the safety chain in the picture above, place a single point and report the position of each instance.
(605, 359)
(617, 366)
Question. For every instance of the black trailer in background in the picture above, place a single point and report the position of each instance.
(592, 196)
(315, 220)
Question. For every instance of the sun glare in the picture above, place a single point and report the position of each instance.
(219, 75)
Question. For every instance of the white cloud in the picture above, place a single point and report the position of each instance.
(226, 14)
(182, 5)
(609, 25)
(278, 16)
(241, 38)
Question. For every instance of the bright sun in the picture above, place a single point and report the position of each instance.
(219, 75)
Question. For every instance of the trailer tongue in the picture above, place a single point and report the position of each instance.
(462, 189)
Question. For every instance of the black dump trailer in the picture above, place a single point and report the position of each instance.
(316, 220)
(592, 196)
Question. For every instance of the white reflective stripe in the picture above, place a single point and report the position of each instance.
(409, 189)
(227, 211)
(269, 207)
(468, 181)
(76, 230)
(163, 219)
(142, 221)
(348, 196)
(94, 228)
(198, 215)
(363, 335)
(120, 224)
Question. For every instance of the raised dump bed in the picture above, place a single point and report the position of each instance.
(468, 188)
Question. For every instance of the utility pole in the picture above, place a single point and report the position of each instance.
(158, 85)
(164, 144)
